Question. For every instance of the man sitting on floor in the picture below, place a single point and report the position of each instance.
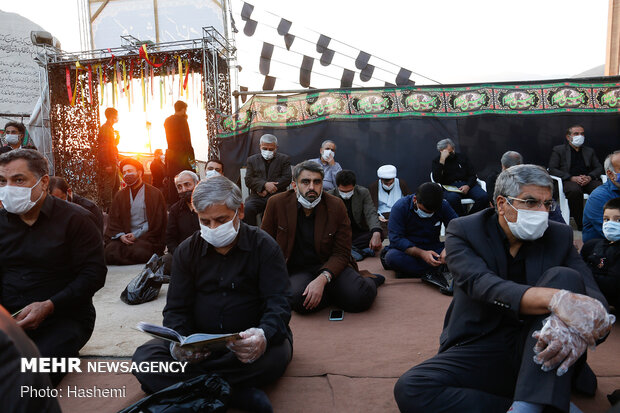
(268, 173)
(365, 224)
(182, 219)
(61, 190)
(138, 219)
(415, 249)
(229, 277)
(51, 258)
(385, 192)
(314, 232)
(525, 308)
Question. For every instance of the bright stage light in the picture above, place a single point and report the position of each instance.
(142, 131)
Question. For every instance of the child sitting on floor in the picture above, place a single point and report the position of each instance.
(603, 255)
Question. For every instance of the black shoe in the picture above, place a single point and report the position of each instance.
(435, 277)
(250, 399)
(449, 289)
(382, 258)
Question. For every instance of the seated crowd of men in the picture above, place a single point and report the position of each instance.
(512, 268)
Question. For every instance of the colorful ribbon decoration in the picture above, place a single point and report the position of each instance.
(90, 83)
(186, 76)
(143, 54)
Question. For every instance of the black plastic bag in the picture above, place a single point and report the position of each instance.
(145, 287)
(205, 393)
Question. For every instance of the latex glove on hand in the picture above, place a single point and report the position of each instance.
(586, 315)
(250, 347)
(557, 345)
(189, 354)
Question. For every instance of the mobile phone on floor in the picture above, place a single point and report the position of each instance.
(336, 315)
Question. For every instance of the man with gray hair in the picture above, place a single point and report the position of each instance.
(268, 173)
(182, 219)
(593, 211)
(229, 277)
(458, 177)
(525, 309)
(313, 230)
(328, 161)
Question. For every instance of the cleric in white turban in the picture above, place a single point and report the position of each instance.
(386, 191)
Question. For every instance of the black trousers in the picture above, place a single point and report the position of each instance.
(118, 253)
(487, 374)
(348, 290)
(254, 205)
(63, 336)
(269, 367)
(574, 195)
(361, 239)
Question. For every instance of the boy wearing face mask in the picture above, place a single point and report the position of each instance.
(579, 169)
(365, 224)
(603, 255)
(414, 228)
(268, 173)
(138, 218)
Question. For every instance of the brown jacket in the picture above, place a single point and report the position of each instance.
(156, 215)
(332, 230)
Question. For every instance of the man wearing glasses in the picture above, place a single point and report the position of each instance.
(525, 309)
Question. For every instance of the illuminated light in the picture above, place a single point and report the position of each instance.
(141, 132)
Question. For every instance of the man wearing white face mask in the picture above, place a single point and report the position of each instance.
(328, 161)
(579, 169)
(385, 192)
(525, 309)
(365, 224)
(51, 258)
(268, 173)
(313, 230)
(15, 136)
(214, 167)
(230, 277)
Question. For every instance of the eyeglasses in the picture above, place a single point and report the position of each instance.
(533, 203)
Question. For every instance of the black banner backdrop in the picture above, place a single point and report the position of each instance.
(401, 126)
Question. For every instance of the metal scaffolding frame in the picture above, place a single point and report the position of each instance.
(216, 79)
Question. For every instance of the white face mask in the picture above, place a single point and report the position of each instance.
(611, 230)
(307, 204)
(211, 173)
(12, 139)
(162, 158)
(578, 140)
(346, 195)
(530, 225)
(221, 236)
(423, 214)
(16, 199)
(267, 154)
(388, 187)
(327, 153)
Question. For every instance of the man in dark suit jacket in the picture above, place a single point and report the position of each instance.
(508, 278)
(268, 173)
(60, 189)
(579, 169)
(314, 232)
(362, 213)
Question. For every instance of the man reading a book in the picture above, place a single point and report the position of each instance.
(458, 178)
(228, 278)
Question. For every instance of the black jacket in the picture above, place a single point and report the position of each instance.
(456, 168)
(483, 296)
(559, 163)
(279, 171)
(90, 206)
(182, 223)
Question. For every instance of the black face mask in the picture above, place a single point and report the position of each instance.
(186, 196)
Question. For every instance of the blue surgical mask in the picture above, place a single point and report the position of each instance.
(423, 214)
(611, 230)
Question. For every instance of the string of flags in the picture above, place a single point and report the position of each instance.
(326, 56)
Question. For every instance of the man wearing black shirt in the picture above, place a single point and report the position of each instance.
(182, 220)
(229, 277)
(361, 210)
(180, 153)
(268, 173)
(579, 169)
(51, 258)
(454, 169)
(61, 190)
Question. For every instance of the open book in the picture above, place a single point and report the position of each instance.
(452, 188)
(213, 342)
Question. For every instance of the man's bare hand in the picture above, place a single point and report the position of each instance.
(271, 187)
(375, 241)
(443, 156)
(128, 239)
(430, 257)
(465, 189)
(442, 256)
(33, 314)
(250, 347)
(382, 218)
(314, 292)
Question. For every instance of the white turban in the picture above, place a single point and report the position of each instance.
(386, 172)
